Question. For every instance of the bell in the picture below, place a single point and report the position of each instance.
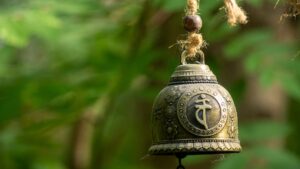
(194, 115)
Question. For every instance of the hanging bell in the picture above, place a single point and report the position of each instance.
(194, 115)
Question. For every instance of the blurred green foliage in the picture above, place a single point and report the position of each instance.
(62, 58)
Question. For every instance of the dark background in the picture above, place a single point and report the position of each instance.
(78, 79)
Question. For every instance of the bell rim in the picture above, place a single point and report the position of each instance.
(196, 147)
(195, 153)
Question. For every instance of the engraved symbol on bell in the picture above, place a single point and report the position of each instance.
(202, 105)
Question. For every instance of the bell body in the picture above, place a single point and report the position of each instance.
(194, 115)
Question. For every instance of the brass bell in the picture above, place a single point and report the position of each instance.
(194, 115)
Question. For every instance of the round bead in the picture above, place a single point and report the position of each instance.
(192, 23)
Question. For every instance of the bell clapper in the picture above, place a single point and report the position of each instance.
(180, 157)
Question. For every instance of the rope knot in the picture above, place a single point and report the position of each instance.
(194, 43)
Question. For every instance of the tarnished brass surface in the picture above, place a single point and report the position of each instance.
(194, 115)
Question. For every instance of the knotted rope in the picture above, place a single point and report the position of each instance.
(194, 43)
(192, 46)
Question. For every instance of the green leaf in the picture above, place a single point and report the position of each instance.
(235, 161)
(263, 130)
(173, 5)
(10, 101)
(48, 164)
(196, 159)
(252, 62)
(13, 32)
(267, 77)
(291, 85)
(255, 3)
(248, 40)
(221, 31)
(276, 158)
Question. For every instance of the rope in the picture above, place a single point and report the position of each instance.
(192, 7)
(235, 14)
(194, 43)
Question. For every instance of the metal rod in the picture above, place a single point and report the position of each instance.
(180, 157)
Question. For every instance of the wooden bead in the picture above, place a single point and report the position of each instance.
(192, 23)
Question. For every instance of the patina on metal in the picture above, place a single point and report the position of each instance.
(194, 115)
